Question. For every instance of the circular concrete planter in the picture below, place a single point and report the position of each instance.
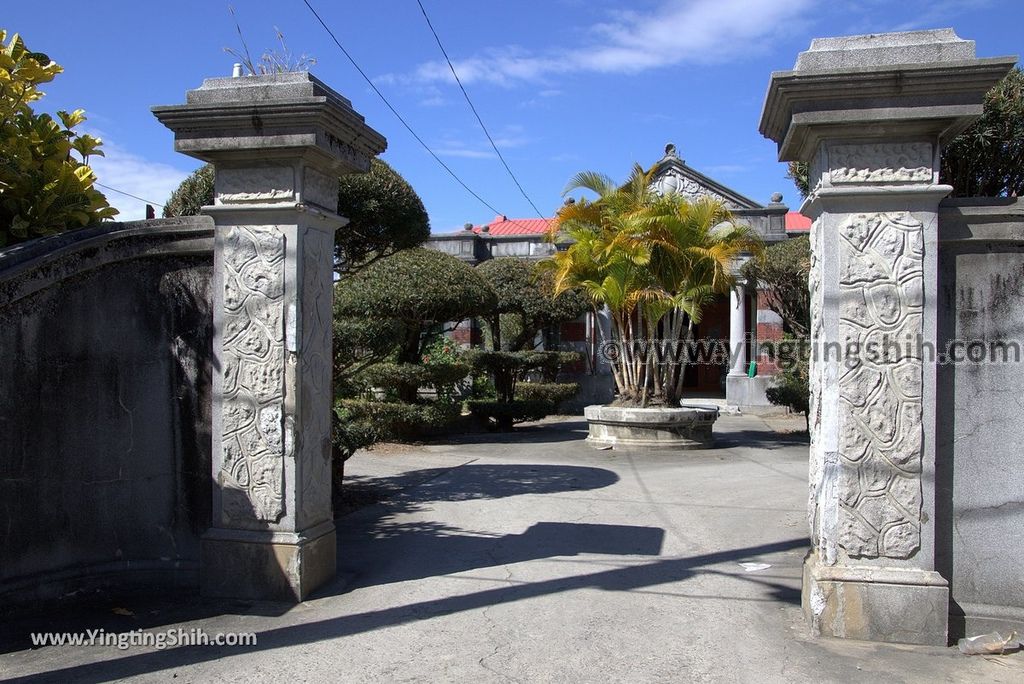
(687, 427)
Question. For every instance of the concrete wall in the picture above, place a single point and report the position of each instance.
(980, 482)
(105, 407)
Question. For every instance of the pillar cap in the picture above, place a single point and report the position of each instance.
(914, 83)
(272, 117)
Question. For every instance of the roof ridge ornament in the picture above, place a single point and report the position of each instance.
(671, 153)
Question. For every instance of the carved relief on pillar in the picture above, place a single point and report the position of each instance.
(881, 163)
(315, 374)
(255, 184)
(254, 442)
(880, 430)
(815, 372)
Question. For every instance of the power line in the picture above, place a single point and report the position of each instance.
(475, 112)
(395, 111)
(128, 194)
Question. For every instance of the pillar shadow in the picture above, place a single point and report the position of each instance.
(635, 577)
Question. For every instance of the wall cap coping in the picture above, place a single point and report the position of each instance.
(981, 219)
(272, 117)
(916, 83)
(29, 267)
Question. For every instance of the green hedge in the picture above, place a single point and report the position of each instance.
(508, 368)
(400, 422)
(502, 415)
(389, 375)
(554, 393)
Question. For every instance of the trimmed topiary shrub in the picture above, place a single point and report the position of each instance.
(421, 289)
(408, 378)
(399, 421)
(525, 302)
(358, 344)
(515, 399)
(385, 215)
(348, 435)
(503, 415)
(551, 393)
(419, 375)
(418, 287)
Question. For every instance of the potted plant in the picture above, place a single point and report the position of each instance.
(653, 261)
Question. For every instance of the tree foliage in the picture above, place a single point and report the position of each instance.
(194, 193)
(792, 386)
(44, 187)
(655, 261)
(987, 160)
(359, 343)
(783, 274)
(385, 215)
(517, 400)
(526, 302)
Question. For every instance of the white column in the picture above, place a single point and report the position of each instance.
(737, 330)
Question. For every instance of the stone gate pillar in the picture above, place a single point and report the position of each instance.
(277, 143)
(870, 114)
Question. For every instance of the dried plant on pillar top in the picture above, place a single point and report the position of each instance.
(655, 261)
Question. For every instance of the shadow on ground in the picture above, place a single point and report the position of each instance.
(760, 439)
(617, 579)
(407, 550)
(404, 549)
(547, 432)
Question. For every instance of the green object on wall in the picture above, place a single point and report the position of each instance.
(752, 369)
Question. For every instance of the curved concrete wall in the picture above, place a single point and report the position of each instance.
(105, 407)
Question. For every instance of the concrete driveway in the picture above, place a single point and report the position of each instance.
(532, 557)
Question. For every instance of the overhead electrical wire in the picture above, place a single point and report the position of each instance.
(394, 111)
(128, 194)
(479, 120)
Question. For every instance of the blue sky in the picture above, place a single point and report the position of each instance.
(563, 85)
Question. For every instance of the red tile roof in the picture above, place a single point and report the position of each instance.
(797, 221)
(502, 225)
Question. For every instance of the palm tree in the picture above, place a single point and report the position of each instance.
(655, 262)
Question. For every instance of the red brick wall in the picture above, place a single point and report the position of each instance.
(574, 331)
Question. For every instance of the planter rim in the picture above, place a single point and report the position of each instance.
(663, 427)
(649, 417)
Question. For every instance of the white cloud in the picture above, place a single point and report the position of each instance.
(508, 137)
(676, 32)
(937, 13)
(131, 173)
(454, 150)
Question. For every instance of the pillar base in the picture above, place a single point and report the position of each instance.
(267, 566)
(894, 605)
